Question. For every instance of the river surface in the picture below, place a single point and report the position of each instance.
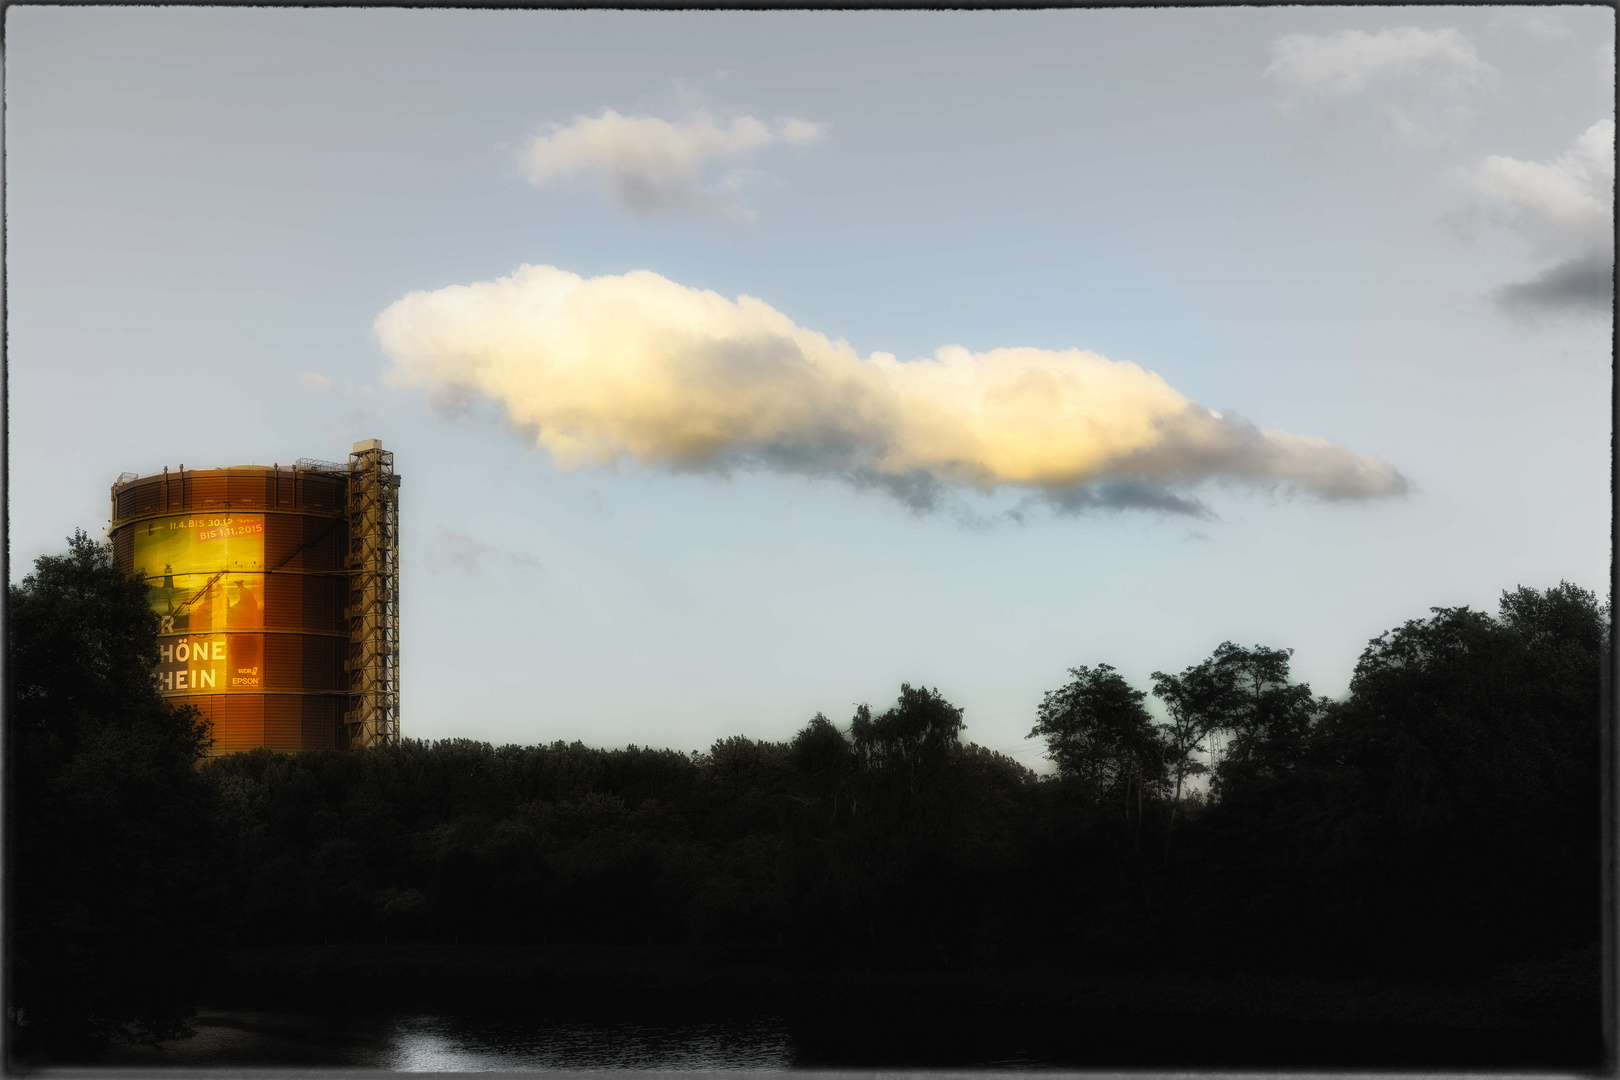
(431, 1042)
(520, 1041)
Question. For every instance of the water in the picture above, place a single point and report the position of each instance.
(450, 1044)
(830, 1038)
(432, 1042)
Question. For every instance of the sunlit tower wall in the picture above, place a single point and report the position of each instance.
(249, 570)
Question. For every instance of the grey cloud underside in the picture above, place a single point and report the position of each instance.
(923, 493)
(1584, 284)
(1197, 447)
(1110, 496)
(1115, 495)
(919, 491)
(1194, 448)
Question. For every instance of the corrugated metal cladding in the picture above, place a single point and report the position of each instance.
(280, 721)
(245, 568)
(236, 489)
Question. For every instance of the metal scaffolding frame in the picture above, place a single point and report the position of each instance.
(372, 609)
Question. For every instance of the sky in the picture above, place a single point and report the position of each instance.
(745, 365)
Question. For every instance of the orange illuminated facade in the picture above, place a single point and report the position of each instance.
(248, 570)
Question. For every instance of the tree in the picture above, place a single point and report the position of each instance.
(1239, 707)
(1450, 804)
(1569, 631)
(915, 736)
(1098, 732)
(748, 780)
(1192, 700)
(820, 758)
(1268, 715)
(110, 842)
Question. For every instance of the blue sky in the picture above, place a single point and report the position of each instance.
(1374, 227)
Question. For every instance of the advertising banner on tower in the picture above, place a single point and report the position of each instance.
(205, 575)
(204, 572)
(210, 663)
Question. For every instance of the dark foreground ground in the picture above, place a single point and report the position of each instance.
(1543, 1016)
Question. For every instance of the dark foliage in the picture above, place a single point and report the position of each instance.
(1443, 819)
(1440, 819)
(1439, 822)
(111, 848)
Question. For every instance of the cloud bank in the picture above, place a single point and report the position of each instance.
(639, 368)
(652, 166)
(1565, 208)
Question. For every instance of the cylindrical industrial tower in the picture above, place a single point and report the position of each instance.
(275, 587)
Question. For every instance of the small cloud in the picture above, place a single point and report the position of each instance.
(654, 166)
(1583, 284)
(1565, 209)
(451, 550)
(1567, 200)
(1416, 79)
(1195, 536)
(1351, 60)
(800, 132)
(319, 383)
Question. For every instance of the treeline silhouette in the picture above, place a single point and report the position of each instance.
(1441, 821)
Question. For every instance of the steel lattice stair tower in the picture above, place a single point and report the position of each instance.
(372, 610)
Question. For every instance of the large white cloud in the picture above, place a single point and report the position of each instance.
(1350, 60)
(637, 367)
(651, 165)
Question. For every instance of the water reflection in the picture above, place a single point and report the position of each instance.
(448, 1043)
(931, 1038)
(463, 1044)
